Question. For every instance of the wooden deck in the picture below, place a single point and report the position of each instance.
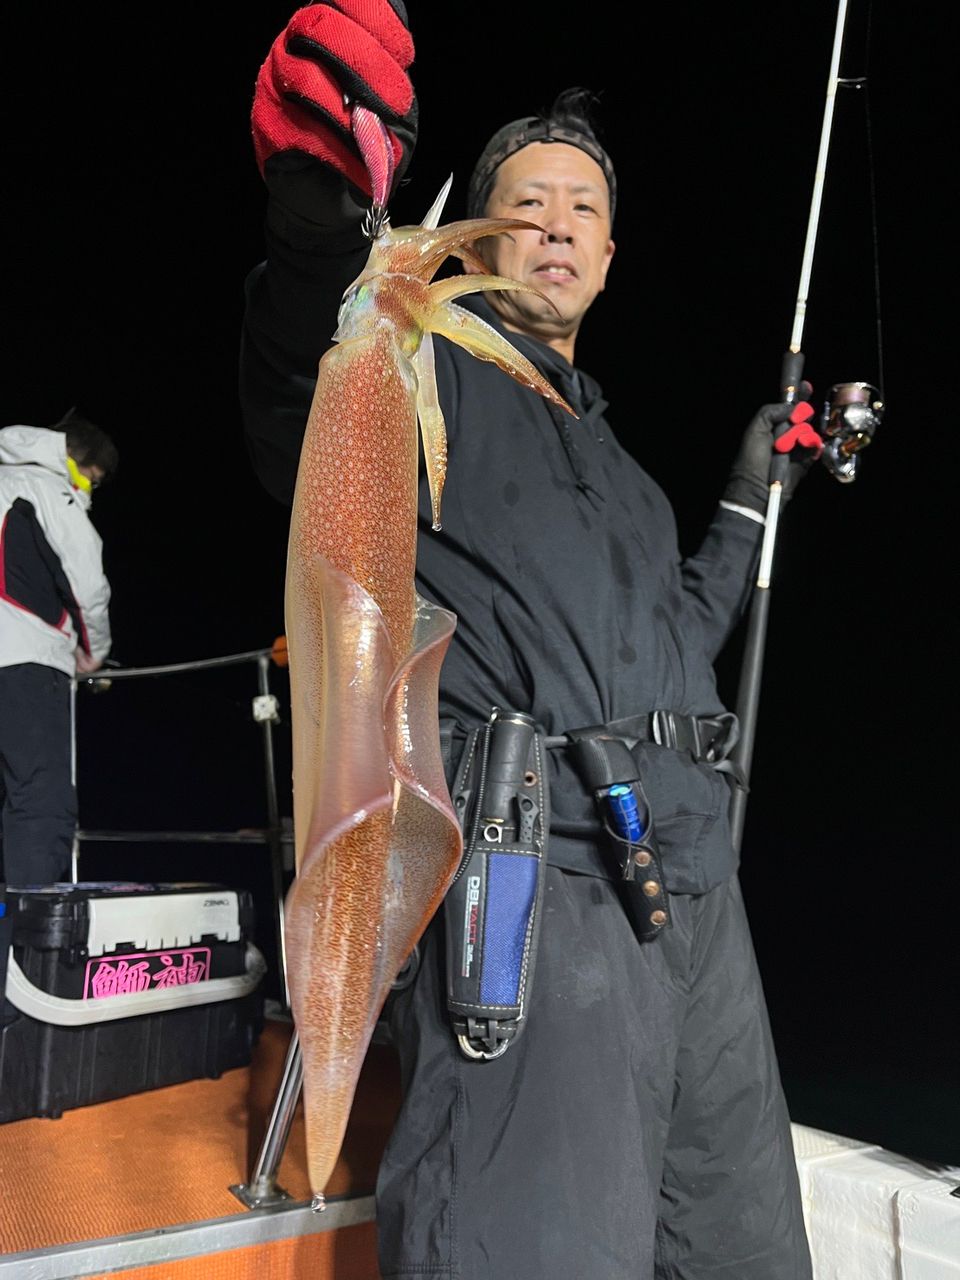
(139, 1187)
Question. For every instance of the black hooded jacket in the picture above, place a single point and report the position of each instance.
(558, 554)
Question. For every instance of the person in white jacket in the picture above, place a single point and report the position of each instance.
(54, 622)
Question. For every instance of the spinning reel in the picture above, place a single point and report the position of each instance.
(851, 415)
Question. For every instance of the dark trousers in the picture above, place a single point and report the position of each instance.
(39, 808)
(636, 1130)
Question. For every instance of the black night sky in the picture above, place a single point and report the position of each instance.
(132, 213)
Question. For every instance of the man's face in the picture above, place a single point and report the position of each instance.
(563, 190)
(94, 474)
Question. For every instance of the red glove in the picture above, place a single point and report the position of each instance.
(361, 48)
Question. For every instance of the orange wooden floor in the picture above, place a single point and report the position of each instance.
(168, 1157)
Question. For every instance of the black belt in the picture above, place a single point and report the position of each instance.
(707, 738)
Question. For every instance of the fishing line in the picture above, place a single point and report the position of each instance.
(862, 82)
(872, 179)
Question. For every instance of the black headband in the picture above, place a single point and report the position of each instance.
(514, 137)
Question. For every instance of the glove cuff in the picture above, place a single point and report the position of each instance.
(746, 491)
(311, 206)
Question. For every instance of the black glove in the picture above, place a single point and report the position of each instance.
(749, 482)
(301, 126)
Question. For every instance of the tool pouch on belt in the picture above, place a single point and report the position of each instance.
(610, 773)
(492, 910)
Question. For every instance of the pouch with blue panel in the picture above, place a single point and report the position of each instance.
(492, 910)
(609, 771)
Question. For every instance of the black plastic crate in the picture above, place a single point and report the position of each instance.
(123, 988)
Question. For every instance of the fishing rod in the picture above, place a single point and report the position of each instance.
(850, 417)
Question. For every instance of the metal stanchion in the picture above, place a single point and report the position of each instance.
(75, 846)
(266, 711)
(262, 1189)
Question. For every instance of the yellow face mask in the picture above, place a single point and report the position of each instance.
(77, 478)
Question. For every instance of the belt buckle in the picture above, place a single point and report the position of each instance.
(664, 728)
(722, 739)
(714, 735)
(678, 732)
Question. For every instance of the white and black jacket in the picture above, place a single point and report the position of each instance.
(54, 596)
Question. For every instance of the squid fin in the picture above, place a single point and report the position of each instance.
(378, 841)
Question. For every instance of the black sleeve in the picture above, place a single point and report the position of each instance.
(718, 580)
(290, 316)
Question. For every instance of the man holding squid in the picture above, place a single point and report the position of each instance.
(637, 1128)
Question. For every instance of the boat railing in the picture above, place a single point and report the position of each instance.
(261, 1191)
(266, 712)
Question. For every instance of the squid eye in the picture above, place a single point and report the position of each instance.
(358, 295)
(354, 304)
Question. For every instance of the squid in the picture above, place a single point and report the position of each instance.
(377, 840)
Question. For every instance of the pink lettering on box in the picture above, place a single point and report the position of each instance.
(145, 970)
(118, 978)
(189, 970)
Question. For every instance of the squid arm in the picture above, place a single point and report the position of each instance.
(472, 259)
(433, 430)
(483, 341)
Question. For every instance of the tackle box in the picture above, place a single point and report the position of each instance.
(119, 988)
